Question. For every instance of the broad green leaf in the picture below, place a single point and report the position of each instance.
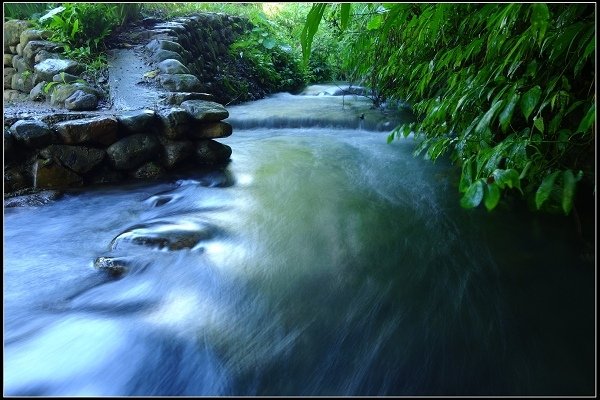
(492, 196)
(375, 22)
(473, 195)
(484, 123)
(507, 177)
(506, 114)
(587, 121)
(538, 122)
(344, 15)
(545, 189)
(568, 191)
(530, 100)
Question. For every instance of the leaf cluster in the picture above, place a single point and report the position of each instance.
(506, 90)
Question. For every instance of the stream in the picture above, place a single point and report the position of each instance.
(327, 262)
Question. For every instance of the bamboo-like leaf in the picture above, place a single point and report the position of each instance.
(545, 189)
(313, 19)
(538, 122)
(568, 191)
(587, 121)
(344, 15)
(530, 100)
(506, 114)
(484, 123)
(52, 13)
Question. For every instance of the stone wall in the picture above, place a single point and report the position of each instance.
(52, 151)
(192, 55)
(31, 62)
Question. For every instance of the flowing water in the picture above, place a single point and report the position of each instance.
(321, 261)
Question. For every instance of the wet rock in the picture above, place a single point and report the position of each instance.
(80, 159)
(81, 101)
(12, 32)
(156, 45)
(13, 96)
(175, 122)
(115, 266)
(136, 121)
(50, 67)
(32, 133)
(8, 75)
(149, 170)
(48, 174)
(179, 97)
(33, 34)
(19, 49)
(132, 151)
(162, 55)
(98, 130)
(34, 46)
(23, 81)
(19, 64)
(55, 118)
(64, 77)
(9, 145)
(170, 66)
(176, 152)
(32, 199)
(37, 93)
(180, 82)
(106, 175)
(205, 110)
(61, 92)
(172, 235)
(14, 179)
(210, 130)
(209, 152)
(44, 55)
(8, 60)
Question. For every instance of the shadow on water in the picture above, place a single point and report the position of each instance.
(319, 262)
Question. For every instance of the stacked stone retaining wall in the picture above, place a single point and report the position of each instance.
(53, 151)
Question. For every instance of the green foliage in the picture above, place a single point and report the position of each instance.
(24, 11)
(82, 28)
(506, 89)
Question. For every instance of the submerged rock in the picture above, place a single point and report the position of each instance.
(210, 152)
(171, 235)
(32, 199)
(115, 266)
